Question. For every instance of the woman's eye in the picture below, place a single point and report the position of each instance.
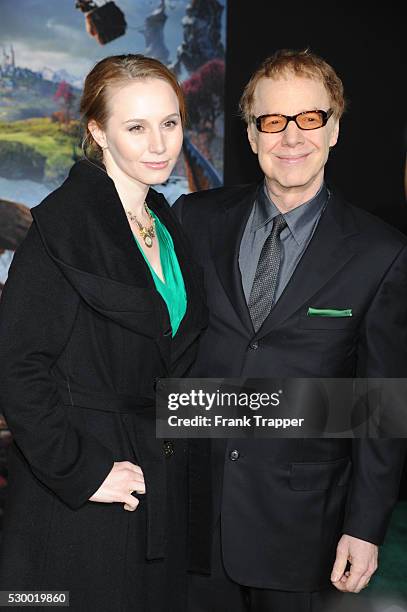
(136, 128)
(171, 123)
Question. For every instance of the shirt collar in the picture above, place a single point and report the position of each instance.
(299, 220)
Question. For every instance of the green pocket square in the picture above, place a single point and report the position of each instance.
(329, 312)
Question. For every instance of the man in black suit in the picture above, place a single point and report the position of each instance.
(300, 284)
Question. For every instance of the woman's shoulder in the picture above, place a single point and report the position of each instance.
(84, 183)
(32, 271)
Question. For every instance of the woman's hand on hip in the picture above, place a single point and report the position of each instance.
(124, 478)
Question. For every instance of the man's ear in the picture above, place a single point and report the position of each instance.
(334, 134)
(252, 136)
(98, 134)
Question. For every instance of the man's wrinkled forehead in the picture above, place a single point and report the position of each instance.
(289, 89)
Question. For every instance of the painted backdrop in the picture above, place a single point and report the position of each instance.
(46, 49)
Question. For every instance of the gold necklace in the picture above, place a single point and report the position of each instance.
(147, 233)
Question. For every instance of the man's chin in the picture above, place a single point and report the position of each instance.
(292, 183)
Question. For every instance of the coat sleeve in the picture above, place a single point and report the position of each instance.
(37, 312)
(378, 463)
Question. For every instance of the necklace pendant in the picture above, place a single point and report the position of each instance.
(147, 233)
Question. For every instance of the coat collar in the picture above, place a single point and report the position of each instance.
(332, 246)
(88, 229)
(85, 231)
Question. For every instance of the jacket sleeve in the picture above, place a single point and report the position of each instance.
(37, 312)
(378, 463)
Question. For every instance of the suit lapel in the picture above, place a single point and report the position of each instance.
(332, 246)
(226, 235)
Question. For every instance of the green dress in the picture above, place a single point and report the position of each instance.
(173, 290)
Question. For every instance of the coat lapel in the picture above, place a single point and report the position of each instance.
(226, 235)
(101, 259)
(332, 246)
(195, 318)
(85, 226)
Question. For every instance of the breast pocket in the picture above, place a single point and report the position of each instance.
(320, 476)
(327, 323)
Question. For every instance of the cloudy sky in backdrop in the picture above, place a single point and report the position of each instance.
(51, 33)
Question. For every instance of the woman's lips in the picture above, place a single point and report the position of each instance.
(292, 159)
(156, 165)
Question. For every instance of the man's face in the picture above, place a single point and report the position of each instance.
(293, 160)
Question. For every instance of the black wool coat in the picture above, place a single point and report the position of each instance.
(83, 336)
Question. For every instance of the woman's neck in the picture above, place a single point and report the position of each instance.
(132, 193)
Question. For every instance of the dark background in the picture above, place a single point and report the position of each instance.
(365, 44)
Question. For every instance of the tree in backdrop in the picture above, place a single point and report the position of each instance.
(204, 92)
(65, 96)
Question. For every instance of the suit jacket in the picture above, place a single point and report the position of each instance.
(83, 336)
(285, 502)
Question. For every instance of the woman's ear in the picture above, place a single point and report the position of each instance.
(98, 134)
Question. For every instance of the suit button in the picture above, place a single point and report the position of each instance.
(254, 346)
(168, 448)
(234, 455)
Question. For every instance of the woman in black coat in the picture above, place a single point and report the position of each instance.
(86, 329)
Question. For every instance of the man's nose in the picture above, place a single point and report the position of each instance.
(292, 134)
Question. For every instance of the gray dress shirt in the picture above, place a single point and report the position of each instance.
(301, 224)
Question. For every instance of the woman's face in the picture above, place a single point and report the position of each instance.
(143, 134)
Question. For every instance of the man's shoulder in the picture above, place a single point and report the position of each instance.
(220, 193)
(201, 203)
(373, 226)
(372, 229)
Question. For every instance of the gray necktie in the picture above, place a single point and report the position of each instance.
(265, 280)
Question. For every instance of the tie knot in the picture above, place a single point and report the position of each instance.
(279, 224)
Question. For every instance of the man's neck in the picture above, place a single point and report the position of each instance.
(288, 199)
